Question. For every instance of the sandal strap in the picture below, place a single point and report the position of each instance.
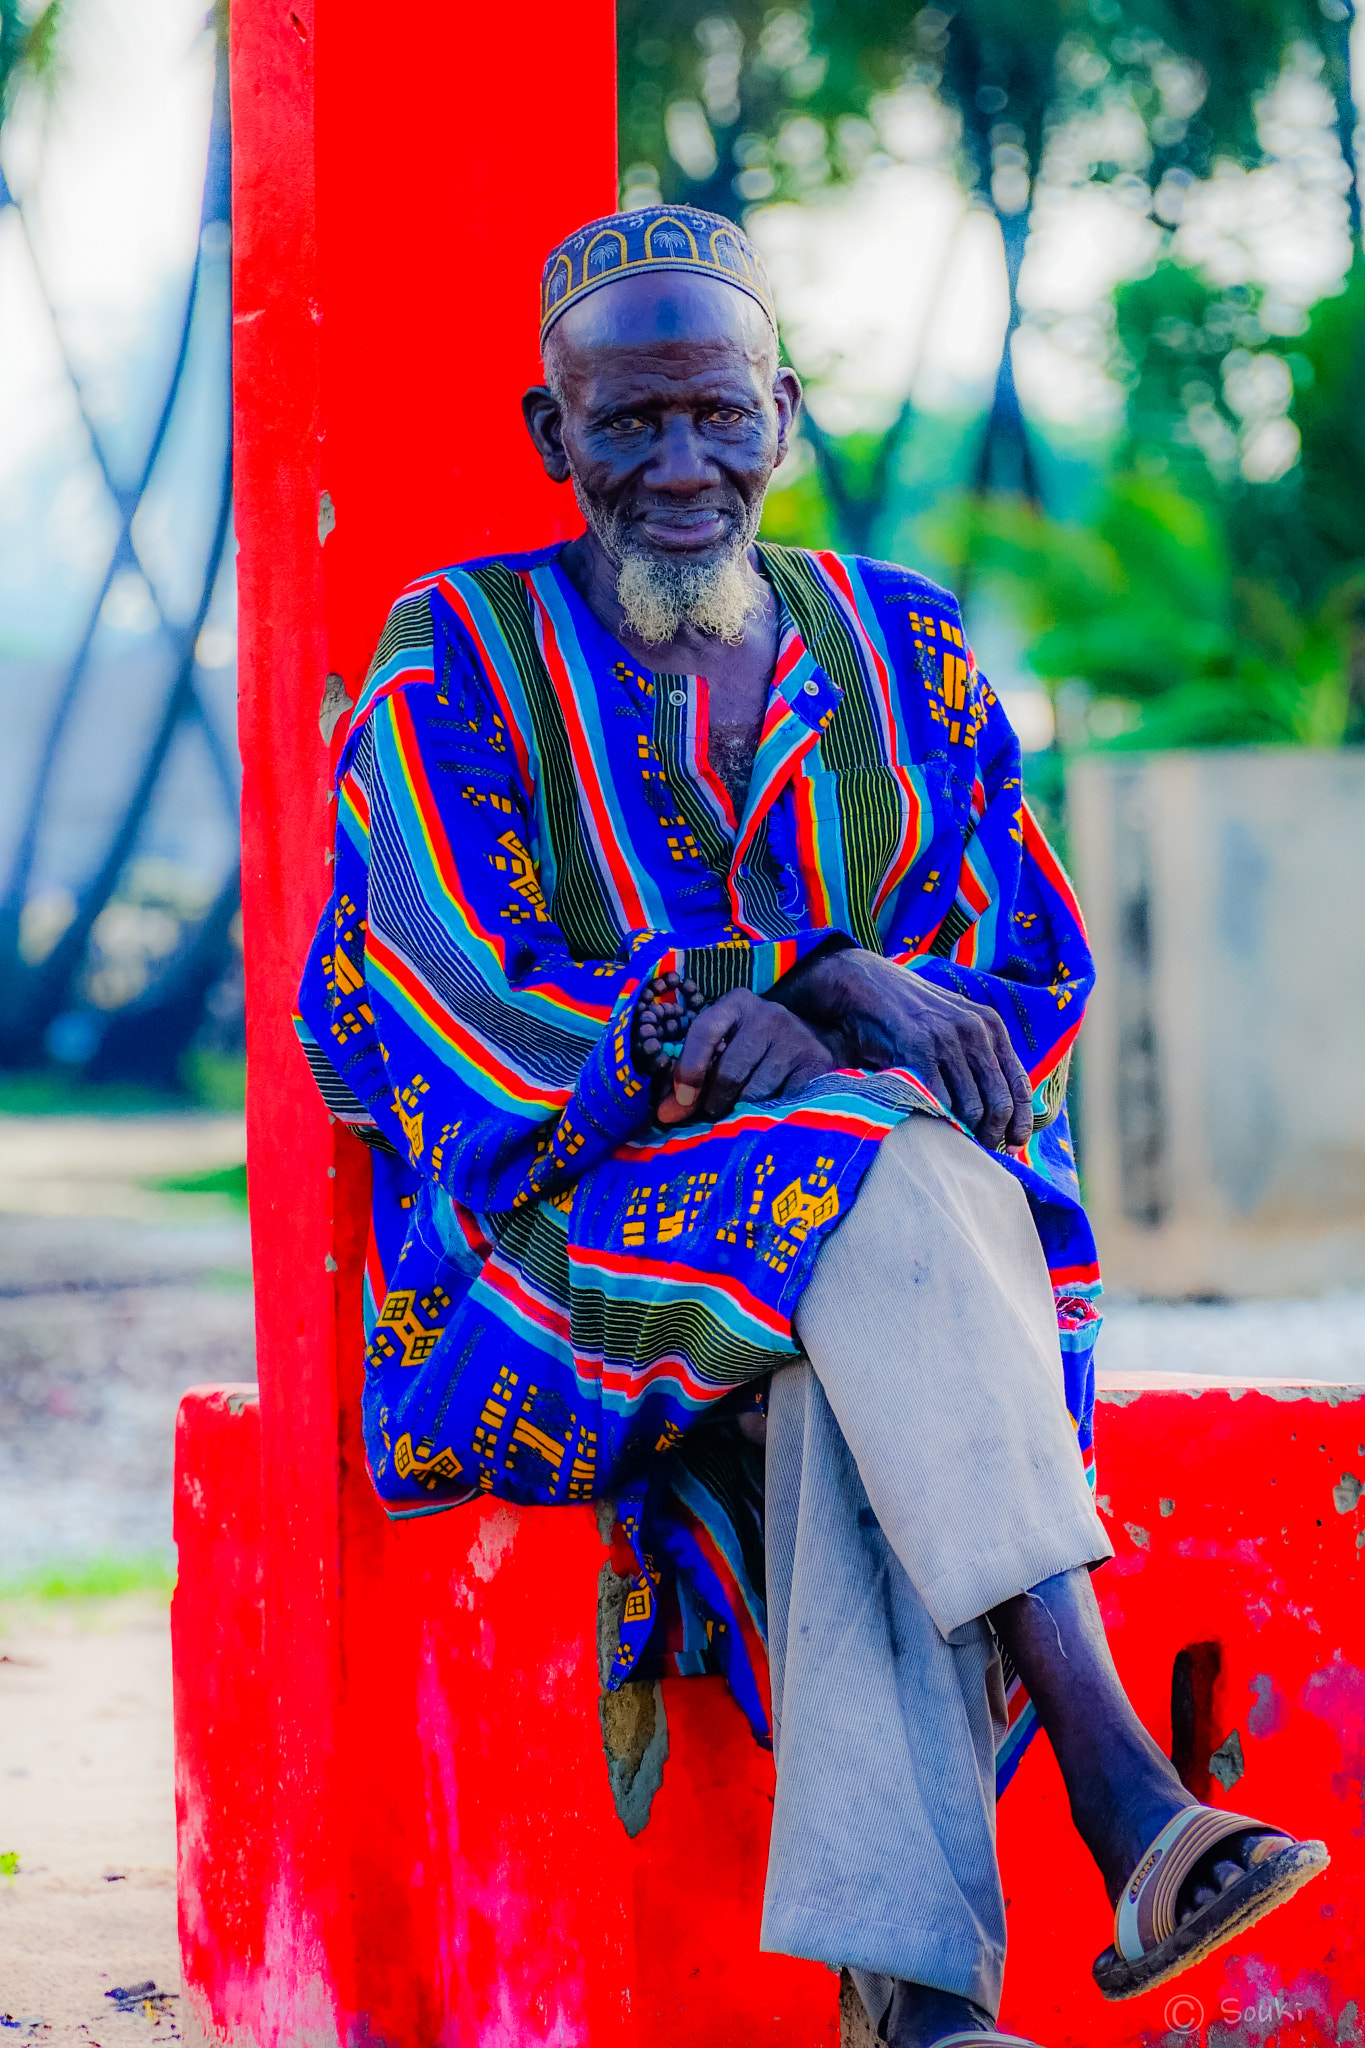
(1145, 1916)
(985, 2041)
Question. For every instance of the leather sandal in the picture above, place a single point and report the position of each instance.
(985, 2041)
(1149, 1948)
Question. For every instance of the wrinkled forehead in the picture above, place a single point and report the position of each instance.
(662, 329)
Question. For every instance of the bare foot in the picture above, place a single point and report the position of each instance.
(1224, 1864)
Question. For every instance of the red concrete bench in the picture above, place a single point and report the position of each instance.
(479, 1887)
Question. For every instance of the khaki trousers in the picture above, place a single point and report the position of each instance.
(921, 1468)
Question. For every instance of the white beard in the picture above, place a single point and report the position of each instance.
(659, 597)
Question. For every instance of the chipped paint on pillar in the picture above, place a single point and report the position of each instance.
(297, 1986)
(1256, 1559)
(1336, 1695)
(497, 1533)
(1271, 1710)
(1260, 2005)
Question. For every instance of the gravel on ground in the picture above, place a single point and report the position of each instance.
(114, 1297)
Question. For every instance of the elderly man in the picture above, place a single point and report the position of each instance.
(705, 988)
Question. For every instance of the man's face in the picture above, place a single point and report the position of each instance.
(669, 412)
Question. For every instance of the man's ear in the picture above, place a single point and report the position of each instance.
(540, 410)
(787, 397)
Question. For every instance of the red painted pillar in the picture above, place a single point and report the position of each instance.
(395, 1818)
(398, 177)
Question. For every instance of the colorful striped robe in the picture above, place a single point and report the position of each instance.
(559, 1293)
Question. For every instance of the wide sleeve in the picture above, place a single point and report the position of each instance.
(440, 990)
(1014, 936)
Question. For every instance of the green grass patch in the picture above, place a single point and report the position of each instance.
(54, 1091)
(228, 1279)
(9, 1862)
(217, 1180)
(213, 1081)
(216, 1080)
(91, 1578)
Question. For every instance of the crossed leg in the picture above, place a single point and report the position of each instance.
(922, 1475)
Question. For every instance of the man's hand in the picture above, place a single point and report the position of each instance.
(871, 1013)
(741, 1046)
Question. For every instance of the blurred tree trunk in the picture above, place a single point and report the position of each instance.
(33, 995)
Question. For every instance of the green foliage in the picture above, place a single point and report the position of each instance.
(1145, 607)
(9, 1862)
(1175, 333)
(780, 96)
(1217, 609)
(1196, 358)
(57, 1091)
(1236, 48)
(727, 109)
(798, 514)
(219, 1180)
(212, 1081)
(215, 1080)
(92, 1578)
(30, 44)
(1328, 366)
(744, 76)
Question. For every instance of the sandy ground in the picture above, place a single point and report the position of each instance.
(113, 1299)
(64, 1166)
(87, 1803)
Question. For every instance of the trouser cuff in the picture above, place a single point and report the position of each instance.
(943, 1958)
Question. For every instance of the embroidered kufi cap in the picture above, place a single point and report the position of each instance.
(652, 238)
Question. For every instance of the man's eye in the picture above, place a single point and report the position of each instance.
(625, 423)
(725, 416)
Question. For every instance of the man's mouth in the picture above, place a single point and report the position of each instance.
(684, 530)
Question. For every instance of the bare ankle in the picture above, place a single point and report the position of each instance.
(1120, 1824)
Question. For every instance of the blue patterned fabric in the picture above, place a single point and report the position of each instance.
(564, 1301)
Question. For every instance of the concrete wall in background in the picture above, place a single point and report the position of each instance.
(1224, 1053)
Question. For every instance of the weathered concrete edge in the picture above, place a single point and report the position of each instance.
(1120, 1390)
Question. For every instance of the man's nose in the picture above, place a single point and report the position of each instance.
(680, 461)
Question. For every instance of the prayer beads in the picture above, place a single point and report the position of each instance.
(667, 1006)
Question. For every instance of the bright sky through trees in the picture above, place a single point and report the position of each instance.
(110, 169)
(110, 172)
(856, 314)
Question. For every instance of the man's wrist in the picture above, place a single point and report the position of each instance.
(830, 992)
(807, 988)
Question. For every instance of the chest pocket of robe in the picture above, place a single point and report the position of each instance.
(855, 820)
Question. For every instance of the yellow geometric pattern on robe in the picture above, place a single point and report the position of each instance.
(398, 1319)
